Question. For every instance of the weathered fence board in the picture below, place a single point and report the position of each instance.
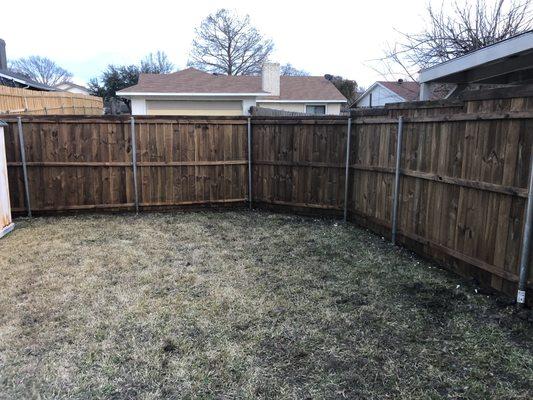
(302, 165)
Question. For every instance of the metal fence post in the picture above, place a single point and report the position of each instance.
(397, 180)
(250, 163)
(347, 170)
(134, 163)
(24, 166)
(526, 240)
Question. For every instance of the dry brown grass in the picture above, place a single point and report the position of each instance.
(243, 305)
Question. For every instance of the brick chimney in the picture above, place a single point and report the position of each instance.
(270, 78)
(3, 59)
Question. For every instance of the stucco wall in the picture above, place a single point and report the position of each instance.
(138, 106)
(193, 107)
(188, 106)
(331, 108)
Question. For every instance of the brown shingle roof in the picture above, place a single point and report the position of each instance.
(410, 91)
(306, 88)
(407, 90)
(191, 80)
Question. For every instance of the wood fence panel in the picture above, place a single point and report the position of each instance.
(72, 166)
(89, 164)
(300, 165)
(463, 190)
(372, 162)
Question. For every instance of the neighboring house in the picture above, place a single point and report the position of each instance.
(13, 79)
(509, 62)
(72, 88)
(194, 92)
(383, 92)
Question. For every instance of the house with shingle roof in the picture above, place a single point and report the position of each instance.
(195, 92)
(383, 92)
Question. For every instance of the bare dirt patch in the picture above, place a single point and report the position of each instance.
(244, 305)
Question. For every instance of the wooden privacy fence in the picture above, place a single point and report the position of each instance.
(34, 102)
(463, 182)
(463, 178)
(87, 163)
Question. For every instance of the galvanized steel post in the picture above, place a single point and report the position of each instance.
(347, 169)
(526, 240)
(24, 166)
(134, 163)
(397, 180)
(250, 163)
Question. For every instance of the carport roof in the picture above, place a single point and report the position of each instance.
(508, 61)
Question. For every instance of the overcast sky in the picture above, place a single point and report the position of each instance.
(337, 37)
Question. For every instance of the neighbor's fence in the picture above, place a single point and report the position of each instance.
(463, 177)
(33, 102)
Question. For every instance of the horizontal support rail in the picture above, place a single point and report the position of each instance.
(299, 164)
(129, 205)
(449, 118)
(92, 119)
(471, 184)
(127, 163)
(295, 204)
(296, 121)
(80, 119)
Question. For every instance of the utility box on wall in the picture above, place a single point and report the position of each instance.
(6, 224)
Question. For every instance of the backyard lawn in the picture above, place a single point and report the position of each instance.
(244, 305)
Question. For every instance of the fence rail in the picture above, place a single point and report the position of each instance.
(463, 180)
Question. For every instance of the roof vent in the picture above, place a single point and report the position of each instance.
(400, 81)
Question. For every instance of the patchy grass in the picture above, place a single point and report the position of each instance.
(243, 305)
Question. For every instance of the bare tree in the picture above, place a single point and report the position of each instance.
(228, 44)
(289, 70)
(157, 63)
(40, 69)
(468, 27)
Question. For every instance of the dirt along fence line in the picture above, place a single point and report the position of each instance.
(461, 181)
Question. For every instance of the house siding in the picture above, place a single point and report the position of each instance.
(194, 107)
(331, 108)
(380, 97)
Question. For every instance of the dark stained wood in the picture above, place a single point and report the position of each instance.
(463, 187)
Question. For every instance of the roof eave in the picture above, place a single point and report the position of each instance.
(183, 94)
(301, 101)
(478, 57)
